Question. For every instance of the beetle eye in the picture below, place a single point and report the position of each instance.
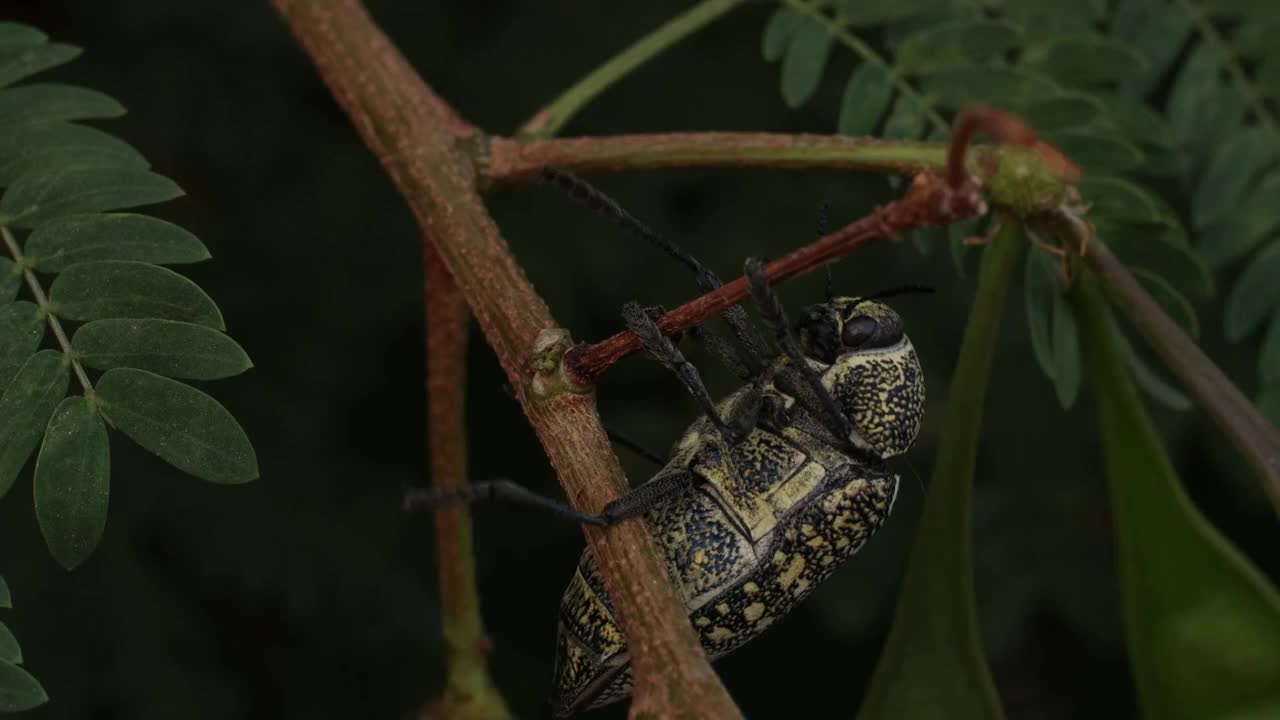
(858, 331)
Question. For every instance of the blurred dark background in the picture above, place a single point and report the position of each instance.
(309, 594)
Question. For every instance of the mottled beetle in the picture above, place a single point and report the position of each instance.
(765, 495)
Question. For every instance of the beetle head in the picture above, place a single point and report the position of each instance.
(869, 367)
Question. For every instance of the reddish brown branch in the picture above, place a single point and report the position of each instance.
(929, 202)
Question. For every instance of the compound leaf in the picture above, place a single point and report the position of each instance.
(184, 426)
(123, 288)
(45, 102)
(165, 347)
(39, 196)
(25, 408)
(72, 482)
(115, 236)
(866, 97)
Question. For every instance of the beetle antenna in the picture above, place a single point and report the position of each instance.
(824, 222)
(894, 292)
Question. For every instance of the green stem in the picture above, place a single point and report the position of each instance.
(42, 300)
(550, 119)
(864, 51)
(934, 640)
(1250, 91)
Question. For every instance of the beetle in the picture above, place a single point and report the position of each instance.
(764, 495)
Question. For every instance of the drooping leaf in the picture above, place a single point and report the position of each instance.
(1088, 60)
(1235, 164)
(1147, 379)
(1066, 353)
(10, 280)
(123, 288)
(865, 99)
(1174, 304)
(1096, 153)
(21, 329)
(959, 87)
(1256, 295)
(14, 35)
(932, 664)
(1248, 223)
(18, 62)
(72, 482)
(1203, 624)
(1066, 111)
(804, 61)
(953, 43)
(9, 650)
(61, 146)
(778, 32)
(1041, 292)
(906, 120)
(1160, 249)
(46, 102)
(182, 425)
(114, 236)
(6, 600)
(18, 690)
(25, 408)
(40, 196)
(165, 347)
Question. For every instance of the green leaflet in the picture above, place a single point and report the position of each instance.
(932, 664)
(165, 347)
(10, 280)
(1096, 152)
(866, 97)
(862, 13)
(804, 61)
(1250, 220)
(9, 650)
(25, 407)
(1236, 163)
(1066, 353)
(21, 329)
(1147, 379)
(1256, 294)
(1138, 121)
(1119, 198)
(1087, 60)
(778, 32)
(1159, 248)
(1203, 625)
(949, 44)
(184, 426)
(1041, 289)
(18, 690)
(72, 482)
(1202, 108)
(1173, 303)
(1156, 32)
(1065, 111)
(906, 120)
(118, 236)
(959, 87)
(18, 62)
(121, 288)
(1269, 355)
(45, 102)
(6, 600)
(14, 35)
(39, 196)
(63, 146)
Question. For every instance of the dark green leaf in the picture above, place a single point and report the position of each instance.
(1269, 355)
(1119, 198)
(72, 482)
(122, 288)
(1096, 153)
(14, 34)
(182, 425)
(1248, 223)
(1173, 303)
(959, 87)
(1269, 403)
(949, 44)
(1203, 624)
(906, 120)
(1256, 294)
(777, 33)
(1237, 162)
(41, 196)
(45, 102)
(1042, 287)
(1154, 31)
(18, 62)
(6, 600)
(25, 407)
(18, 690)
(1089, 60)
(9, 650)
(165, 347)
(61, 146)
(1066, 353)
(1137, 120)
(124, 236)
(804, 61)
(1147, 379)
(865, 99)
(865, 13)
(1159, 248)
(21, 330)
(10, 280)
(1202, 107)
(1064, 112)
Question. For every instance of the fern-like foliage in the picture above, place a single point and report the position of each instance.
(93, 327)
(1175, 94)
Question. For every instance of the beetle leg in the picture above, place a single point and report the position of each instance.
(665, 352)
(635, 447)
(771, 309)
(416, 498)
(643, 498)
